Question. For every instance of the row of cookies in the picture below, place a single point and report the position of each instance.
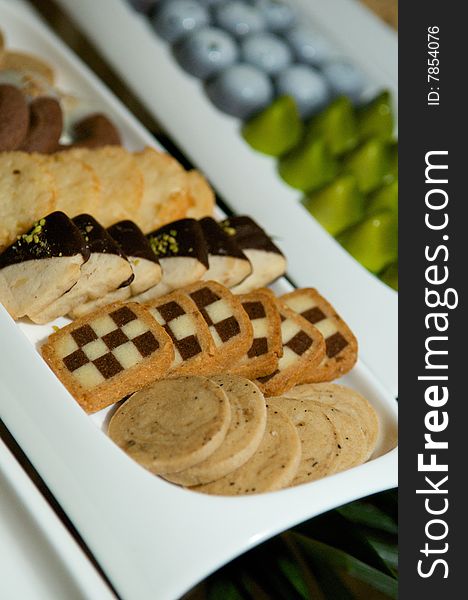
(110, 183)
(200, 329)
(64, 266)
(218, 435)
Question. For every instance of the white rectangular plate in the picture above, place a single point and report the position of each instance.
(247, 180)
(152, 539)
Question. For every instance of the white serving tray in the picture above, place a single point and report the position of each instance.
(40, 559)
(153, 539)
(247, 180)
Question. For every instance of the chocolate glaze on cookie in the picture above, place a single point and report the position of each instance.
(248, 235)
(99, 240)
(218, 241)
(182, 238)
(53, 236)
(132, 241)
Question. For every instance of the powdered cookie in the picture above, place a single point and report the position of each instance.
(262, 357)
(120, 179)
(172, 425)
(103, 357)
(27, 192)
(202, 198)
(228, 322)
(194, 348)
(348, 401)
(303, 350)
(245, 433)
(317, 434)
(341, 344)
(165, 190)
(273, 466)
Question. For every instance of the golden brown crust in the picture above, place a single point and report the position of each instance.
(341, 343)
(106, 367)
(262, 357)
(303, 350)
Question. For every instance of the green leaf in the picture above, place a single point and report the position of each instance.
(370, 515)
(222, 588)
(337, 559)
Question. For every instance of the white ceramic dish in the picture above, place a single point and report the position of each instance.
(151, 538)
(247, 180)
(40, 559)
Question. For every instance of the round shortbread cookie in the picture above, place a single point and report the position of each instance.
(173, 424)
(120, 179)
(245, 433)
(317, 434)
(27, 193)
(347, 400)
(20, 61)
(273, 466)
(77, 186)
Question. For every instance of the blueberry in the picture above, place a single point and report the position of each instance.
(279, 16)
(176, 18)
(306, 85)
(241, 90)
(309, 46)
(143, 6)
(344, 79)
(266, 51)
(206, 52)
(239, 18)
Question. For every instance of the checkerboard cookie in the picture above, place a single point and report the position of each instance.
(341, 344)
(103, 357)
(303, 350)
(273, 466)
(262, 357)
(194, 348)
(229, 324)
(173, 424)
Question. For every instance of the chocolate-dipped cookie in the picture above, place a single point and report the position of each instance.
(268, 262)
(145, 263)
(182, 253)
(43, 264)
(228, 265)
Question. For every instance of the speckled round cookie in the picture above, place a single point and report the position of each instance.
(273, 466)
(348, 401)
(173, 424)
(317, 434)
(248, 421)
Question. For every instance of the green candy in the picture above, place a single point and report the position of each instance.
(374, 241)
(390, 276)
(375, 119)
(276, 129)
(384, 198)
(337, 125)
(370, 164)
(338, 205)
(308, 166)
